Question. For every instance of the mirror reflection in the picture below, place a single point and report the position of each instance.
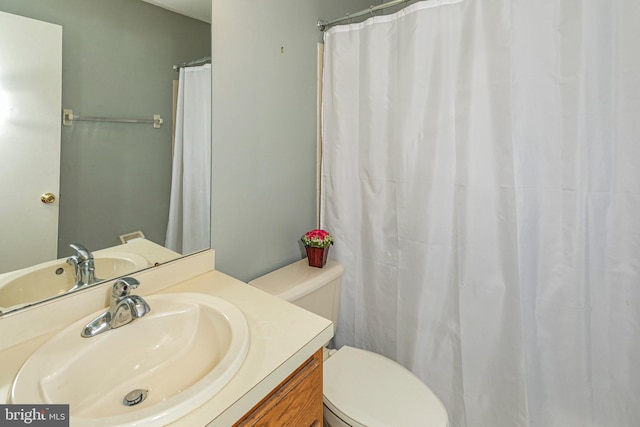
(99, 198)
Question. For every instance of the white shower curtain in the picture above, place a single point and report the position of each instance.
(481, 178)
(188, 229)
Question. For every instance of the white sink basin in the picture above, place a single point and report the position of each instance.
(54, 278)
(182, 353)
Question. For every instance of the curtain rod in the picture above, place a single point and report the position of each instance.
(324, 25)
(194, 63)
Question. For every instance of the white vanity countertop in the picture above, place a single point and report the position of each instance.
(283, 336)
(152, 252)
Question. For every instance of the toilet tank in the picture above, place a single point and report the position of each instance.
(314, 289)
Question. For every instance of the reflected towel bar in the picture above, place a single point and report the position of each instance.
(68, 118)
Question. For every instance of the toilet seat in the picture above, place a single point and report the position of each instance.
(366, 389)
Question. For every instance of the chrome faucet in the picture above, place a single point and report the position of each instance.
(123, 308)
(83, 266)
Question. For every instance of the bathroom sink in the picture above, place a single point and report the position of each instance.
(180, 355)
(53, 278)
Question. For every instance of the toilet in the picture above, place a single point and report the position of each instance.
(361, 388)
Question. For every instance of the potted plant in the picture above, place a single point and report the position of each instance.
(317, 243)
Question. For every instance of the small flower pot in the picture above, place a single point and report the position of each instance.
(317, 257)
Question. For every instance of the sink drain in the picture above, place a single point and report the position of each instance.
(134, 397)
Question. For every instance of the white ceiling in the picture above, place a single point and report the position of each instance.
(198, 9)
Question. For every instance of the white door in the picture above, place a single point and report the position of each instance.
(30, 121)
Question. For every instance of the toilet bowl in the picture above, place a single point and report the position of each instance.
(361, 388)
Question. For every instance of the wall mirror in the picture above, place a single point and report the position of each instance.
(112, 180)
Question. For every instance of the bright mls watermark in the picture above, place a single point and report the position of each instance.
(34, 415)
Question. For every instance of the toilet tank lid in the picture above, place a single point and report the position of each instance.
(296, 280)
(372, 390)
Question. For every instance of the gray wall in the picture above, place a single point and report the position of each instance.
(264, 129)
(117, 62)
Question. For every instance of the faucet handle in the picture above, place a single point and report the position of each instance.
(122, 287)
(82, 253)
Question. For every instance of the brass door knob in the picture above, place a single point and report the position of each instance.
(48, 198)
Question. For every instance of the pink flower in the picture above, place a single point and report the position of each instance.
(317, 239)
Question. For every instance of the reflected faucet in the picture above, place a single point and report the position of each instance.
(123, 308)
(83, 266)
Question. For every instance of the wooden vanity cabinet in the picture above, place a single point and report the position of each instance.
(296, 402)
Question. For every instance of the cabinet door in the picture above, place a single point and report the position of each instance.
(296, 402)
